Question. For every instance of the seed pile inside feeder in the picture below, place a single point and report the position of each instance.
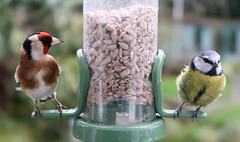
(120, 46)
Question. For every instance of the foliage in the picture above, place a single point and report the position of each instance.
(217, 127)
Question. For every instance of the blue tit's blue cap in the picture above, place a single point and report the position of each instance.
(208, 53)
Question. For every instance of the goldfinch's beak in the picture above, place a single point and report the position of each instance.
(55, 41)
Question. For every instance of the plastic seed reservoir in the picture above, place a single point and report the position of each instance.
(120, 44)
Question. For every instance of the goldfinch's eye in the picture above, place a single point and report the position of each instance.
(46, 40)
(43, 40)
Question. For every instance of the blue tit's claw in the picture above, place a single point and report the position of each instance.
(196, 113)
(175, 115)
(178, 111)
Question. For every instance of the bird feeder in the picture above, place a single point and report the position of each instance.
(120, 89)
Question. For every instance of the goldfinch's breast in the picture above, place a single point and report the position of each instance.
(43, 91)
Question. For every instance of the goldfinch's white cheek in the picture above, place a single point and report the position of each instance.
(37, 50)
(33, 38)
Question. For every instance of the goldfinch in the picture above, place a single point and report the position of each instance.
(202, 82)
(37, 71)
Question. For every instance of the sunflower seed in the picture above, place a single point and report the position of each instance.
(110, 27)
(114, 53)
(107, 41)
(106, 60)
(127, 37)
(112, 47)
(125, 73)
(119, 68)
(96, 44)
(114, 36)
(123, 45)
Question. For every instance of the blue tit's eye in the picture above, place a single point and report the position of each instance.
(218, 62)
(205, 60)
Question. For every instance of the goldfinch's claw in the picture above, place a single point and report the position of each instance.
(37, 112)
(60, 107)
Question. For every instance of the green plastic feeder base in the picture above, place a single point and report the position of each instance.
(146, 132)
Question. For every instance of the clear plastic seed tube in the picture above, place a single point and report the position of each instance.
(120, 43)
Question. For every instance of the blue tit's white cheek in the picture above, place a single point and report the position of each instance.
(201, 65)
(219, 70)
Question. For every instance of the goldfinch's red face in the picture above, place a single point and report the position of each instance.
(46, 40)
(38, 44)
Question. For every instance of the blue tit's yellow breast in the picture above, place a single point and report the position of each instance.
(198, 89)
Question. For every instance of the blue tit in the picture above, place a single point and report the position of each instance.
(200, 83)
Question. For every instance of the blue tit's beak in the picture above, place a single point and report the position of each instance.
(215, 65)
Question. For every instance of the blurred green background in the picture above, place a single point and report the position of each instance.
(185, 29)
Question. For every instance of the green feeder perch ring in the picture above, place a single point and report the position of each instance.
(144, 132)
